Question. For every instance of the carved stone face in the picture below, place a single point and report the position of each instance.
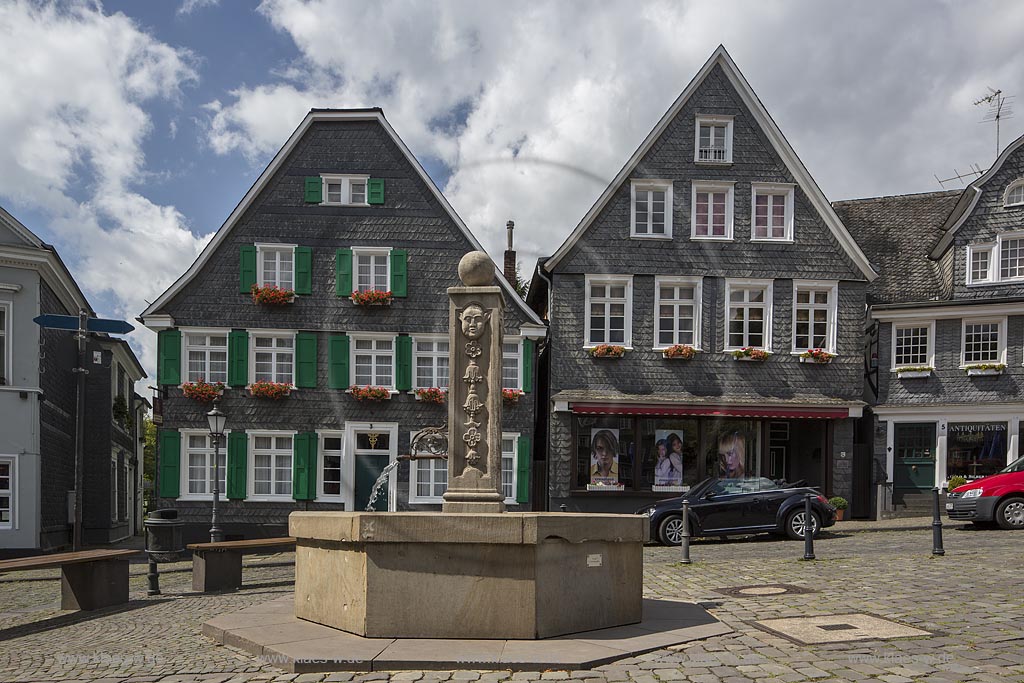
(474, 321)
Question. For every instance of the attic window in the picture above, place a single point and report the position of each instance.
(713, 140)
(344, 190)
(1014, 194)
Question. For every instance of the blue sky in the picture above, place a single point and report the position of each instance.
(132, 128)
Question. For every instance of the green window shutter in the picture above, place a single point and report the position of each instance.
(304, 469)
(528, 345)
(238, 443)
(238, 358)
(399, 273)
(314, 190)
(305, 360)
(247, 268)
(523, 456)
(170, 463)
(337, 361)
(375, 191)
(169, 357)
(303, 270)
(343, 272)
(403, 362)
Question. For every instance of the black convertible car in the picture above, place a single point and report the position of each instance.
(725, 507)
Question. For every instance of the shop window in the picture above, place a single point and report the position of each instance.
(732, 448)
(6, 492)
(605, 447)
(668, 454)
(975, 449)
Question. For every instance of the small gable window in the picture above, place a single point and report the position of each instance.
(652, 208)
(344, 190)
(711, 215)
(1014, 194)
(713, 140)
(772, 217)
(979, 264)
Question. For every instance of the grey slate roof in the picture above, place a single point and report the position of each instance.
(897, 233)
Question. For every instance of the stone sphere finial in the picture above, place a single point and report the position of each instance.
(476, 269)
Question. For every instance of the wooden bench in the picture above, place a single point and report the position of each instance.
(218, 566)
(89, 579)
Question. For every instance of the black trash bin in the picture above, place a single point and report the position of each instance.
(163, 536)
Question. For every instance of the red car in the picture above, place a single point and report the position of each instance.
(998, 498)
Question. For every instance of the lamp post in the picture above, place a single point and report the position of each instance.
(216, 420)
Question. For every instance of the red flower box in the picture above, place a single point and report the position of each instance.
(371, 297)
(750, 353)
(202, 391)
(680, 351)
(511, 395)
(431, 395)
(816, 356)
(274, 390)
(370, 393)
(271, 295)
(608, 351)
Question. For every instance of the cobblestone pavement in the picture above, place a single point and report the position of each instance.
(970, 600)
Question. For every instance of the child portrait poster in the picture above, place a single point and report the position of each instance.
(604, 456)
(668, 452)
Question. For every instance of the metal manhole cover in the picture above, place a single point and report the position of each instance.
(839, 628)
(763, 590)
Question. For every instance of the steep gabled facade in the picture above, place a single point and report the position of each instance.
(343, 207)
(712, 242)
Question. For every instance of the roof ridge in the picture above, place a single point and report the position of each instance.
(918, 195)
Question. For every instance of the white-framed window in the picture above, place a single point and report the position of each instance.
(1011, 257)
(815, 306)
(651, 215)
(980, 263)
(344, 190)
(372, 268)
(511, 363)
(430, 354)
(272, 358)
(913, 345)
(428, 479)
(115, 487)
(5, 343)
(713, 139)
(207, 356)
(711, 212)
(609, 301)
(677, 303)
(275, 265)
(373, 360)
(332, 461)
(771, 209)
(509, 449)
(749, 320)
(197, 474)
(271, 472)
(983, 341)
(8, 481)
(1014, 195)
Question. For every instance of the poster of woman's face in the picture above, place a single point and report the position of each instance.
(732, 455)
(604, 456)
(668, 464)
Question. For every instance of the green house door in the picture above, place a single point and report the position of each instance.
(914, 456)
(372, 455)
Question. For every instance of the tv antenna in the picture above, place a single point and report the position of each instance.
(999, 108)
(974, 172)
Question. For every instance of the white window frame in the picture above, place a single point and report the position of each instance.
(7, 357)
(1001, 350)
(261, 279)
(13, 493)
(518, 355)
(1010, 188)
(786, 189)
(991, 250)
(998, 262)
(832, 286)
(701, 186)
(511, 500)
(414, 497)
(930, 325)
(275, 334)
(251, 466)
(712, 119)
(433, 355)
(610, 280)
(698, 302)
(204, 332)
(183, 466)
(349, 485)
(370, 251)
(744, 283)
(115, 489)
(639, 185)
(346, 189)
(372, 336)
(321, 452)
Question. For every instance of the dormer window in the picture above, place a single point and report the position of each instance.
(652, 208)
(1014, 194)
(713, 138)
(996, 263)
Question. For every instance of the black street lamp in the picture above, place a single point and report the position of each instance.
(216, 420)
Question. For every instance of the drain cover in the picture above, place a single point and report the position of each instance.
(838, 628)
(763, 590)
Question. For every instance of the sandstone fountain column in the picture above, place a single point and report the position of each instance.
(475, 316)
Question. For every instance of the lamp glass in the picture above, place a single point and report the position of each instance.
(217, 420)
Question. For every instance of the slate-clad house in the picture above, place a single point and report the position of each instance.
(343, 206)
(712, 239)
(946, 334)
(38, 409)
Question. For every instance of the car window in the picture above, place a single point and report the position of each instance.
(1015, 466)
(746, 485)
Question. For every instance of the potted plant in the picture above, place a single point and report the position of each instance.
(202, 391)
(271, 390)
(914, 371)
(984, 369)
(816, 356)
(680, 351)
(119, 411)
(608, 351)
(511, 395)
(749, 353)
(840, 504)
(369, 393)
(431, 395)
(371, 297)
(955, 482)
(271, 295)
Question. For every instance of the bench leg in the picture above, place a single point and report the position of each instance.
(92, 585)
(216, 571)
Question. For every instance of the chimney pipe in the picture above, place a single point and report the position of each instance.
(510, 255)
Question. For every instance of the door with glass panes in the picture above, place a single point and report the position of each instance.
(373, 449)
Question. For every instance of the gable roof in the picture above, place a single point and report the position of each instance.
(897, 233)
(317, 115)
(771, 130)
(20, 231)
(969, 200)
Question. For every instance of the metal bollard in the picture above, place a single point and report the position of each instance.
(685, 542)
(808, 528)
(154, 579)
(563, 507)
(937, 548)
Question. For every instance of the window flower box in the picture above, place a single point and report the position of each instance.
(271, 390)
(511, 395)
(371, 297)
(608, 351)
(680, 352)
(369, 393)
(202, 391)
(985, 369)
(917, 372)
(431, 395)
(606, 487)
(816, 356)
(749, 353)
(271, 295)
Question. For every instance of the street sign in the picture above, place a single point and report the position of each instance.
(109, 326)
(70, 322)
(57, 322)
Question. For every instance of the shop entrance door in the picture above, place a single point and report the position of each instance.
(914, 456)
(372, 453)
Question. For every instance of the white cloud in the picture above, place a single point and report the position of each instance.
(73, 148)
(189, 6)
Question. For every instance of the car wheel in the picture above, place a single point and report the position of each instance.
(670, 531)
(1010, 513)
(795, 524)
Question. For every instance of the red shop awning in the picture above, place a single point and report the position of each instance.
(712, 411)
